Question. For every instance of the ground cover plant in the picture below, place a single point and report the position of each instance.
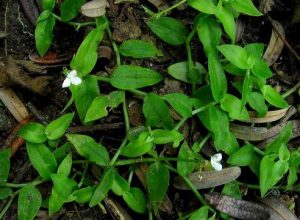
(213, 138)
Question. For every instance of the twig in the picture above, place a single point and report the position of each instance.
(99, 127)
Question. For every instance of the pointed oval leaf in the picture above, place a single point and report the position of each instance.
(42, 159)
(97, 110)
(29, 202)
(134, 77)
(120, 185)
(103, 187)
(246, 7)
(273, 97)
(235, 55)
(185, 163)
(257, 102)
(136, 200)
(58, 127)
(33, 132)
(88, 148)
(234, 107)
(206, 6)
(181, 103)
(242, 157)
(65, 166)
(139, 49)
(169, 30)
(227, 20)
(70, 8)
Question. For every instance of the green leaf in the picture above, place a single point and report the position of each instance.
(134, 77)
(84, 94)
(97, 110)
(232, 69)
(88, 148)
(47, 4)
(65, 166)
(33, 132)
(70, 8)
(5, 192)
(235, 55)
(157, 183)
(43, 32)
(181, 103)
(206, 6)
(209, 32)
(257, 102)
(169, 30)
(217, 77)
(156, 112)
(284, 153)
(86, 56)
(62, 189)
(227, 20)
(295, 159)
(255, 49)
(161, 136)
(58, 127)
(120, 185)
(232, 189)
(139, 49)
(247, 88)
(42, 159)
(29, 202)
(136, 200)
(4, 164)
(201, 213)
(266, 169)
(282, 138)
(219, 124)
(261, 70)
(60, 152)
(82, 195)
(233, 105)
(242, 157)
(246, 7)
(185, 163)
(279, 169)
(180, 71)
(142, 145)
(273, 97)
(103, 187)
(292, 177)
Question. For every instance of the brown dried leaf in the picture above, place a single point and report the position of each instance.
(13, 104)
(237, 208)
(116, 210)
(249, 133)
(278, 211)
(159, 4)
(208, 179)
(266, 5)
(275, 45)
(296, 16)
(269, 117)
(94, 8)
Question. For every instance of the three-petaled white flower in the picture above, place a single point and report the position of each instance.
(71, 78)
(215, 161)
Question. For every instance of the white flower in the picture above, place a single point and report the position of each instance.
(215, 161)
(71, 78)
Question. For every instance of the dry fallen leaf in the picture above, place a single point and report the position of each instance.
(269, 117)
(278, 211)
(208, 179)
(266, 5)
(116, 210)
(237, 208)
(275, 45)
(94, 8)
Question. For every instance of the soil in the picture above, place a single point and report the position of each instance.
(127, 22)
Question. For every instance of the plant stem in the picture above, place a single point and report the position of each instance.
(137, 92)
(203, 108)
(8, 204)
(115, 47)
(291, 91)
(77, 25)
(201, 144)
(259, 151)
(103, 79)
(161, 13)
(189, 54)
(146, 160)
(117, 154)
(20, 185)
(126, 117)
(83, 175)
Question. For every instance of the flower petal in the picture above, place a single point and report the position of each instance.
(75, 80)
(217, 157)
(66, 83)
(216, 165)
(72, 74)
